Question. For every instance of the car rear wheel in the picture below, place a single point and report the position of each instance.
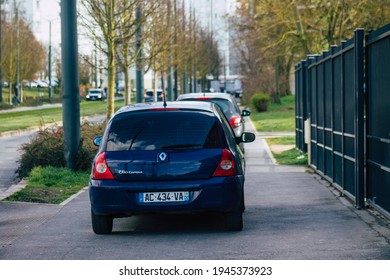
(234, 221)
(243, 202)
(101, 224)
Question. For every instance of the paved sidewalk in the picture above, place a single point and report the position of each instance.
(25, 108)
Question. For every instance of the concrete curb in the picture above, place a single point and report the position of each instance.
(13, 189)
(23, 183)
(269, 152)
(73, 196)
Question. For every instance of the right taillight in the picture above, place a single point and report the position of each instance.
(101, 171)
(235, 121)
(226, 166)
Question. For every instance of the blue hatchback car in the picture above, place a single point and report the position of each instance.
(171, 157)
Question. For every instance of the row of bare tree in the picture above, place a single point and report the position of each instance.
(273, 35)
(162, 37)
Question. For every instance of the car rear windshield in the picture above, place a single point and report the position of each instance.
(95, 91)
(150, 93)
(159, 130)
(226, 106)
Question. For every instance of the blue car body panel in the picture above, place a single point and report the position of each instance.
(220, 194)
(180, 169)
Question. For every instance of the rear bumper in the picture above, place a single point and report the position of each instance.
(93, 98)
(220, 194)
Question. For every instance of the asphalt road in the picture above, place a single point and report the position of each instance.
(10, 153)
(290, 214)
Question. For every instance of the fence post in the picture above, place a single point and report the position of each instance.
(297, 97)
(359, 118)
(303, 101)
(300, 104)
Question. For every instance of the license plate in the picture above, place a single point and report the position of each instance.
(164, 197)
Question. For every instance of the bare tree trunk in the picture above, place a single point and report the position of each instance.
(127, 86)
(154, 85)
(111, 84)
(10, 92)
(278, 74)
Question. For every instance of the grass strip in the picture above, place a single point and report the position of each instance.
(278, 117)
(290, 157)
(284, 140)
(24, 119)
(51, 185)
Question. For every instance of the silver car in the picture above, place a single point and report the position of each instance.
(95, 94)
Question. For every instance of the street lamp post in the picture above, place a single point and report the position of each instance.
(49, 60)
(17, 86)
(139, 62)
(70, 85)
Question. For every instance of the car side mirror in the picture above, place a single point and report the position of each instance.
(97, 141)
(246, 137)
(245, 113)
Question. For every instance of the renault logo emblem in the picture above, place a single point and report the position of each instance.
(162, 156)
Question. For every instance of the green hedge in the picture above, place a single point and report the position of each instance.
(47, 149)
(260, 102)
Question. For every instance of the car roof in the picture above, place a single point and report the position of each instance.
(180, 105)
(206, 94)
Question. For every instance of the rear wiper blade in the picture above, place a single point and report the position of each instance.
(135, 137)
(181, 146)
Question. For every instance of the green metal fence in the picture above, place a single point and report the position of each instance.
(378, 117)
(338, 91)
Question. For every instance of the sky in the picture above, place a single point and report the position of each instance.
(50, 11)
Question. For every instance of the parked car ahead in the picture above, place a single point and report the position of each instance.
(228, 105)
(149, 95)
(53, 83)
(95, 94)
(39, 83)
(175, 158)
(33, 84)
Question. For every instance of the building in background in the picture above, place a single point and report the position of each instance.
(40, 14)
(213, 16)
(43, 17)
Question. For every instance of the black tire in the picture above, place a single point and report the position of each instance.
(234, 221)
(101, 224)
(243, 207)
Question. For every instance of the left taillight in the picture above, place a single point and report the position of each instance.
(226, 166)
(101, 171)
(235, 121)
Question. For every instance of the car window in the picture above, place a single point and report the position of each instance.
(228, 130)
(158, 130)
(95, 91)
(225, 105)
